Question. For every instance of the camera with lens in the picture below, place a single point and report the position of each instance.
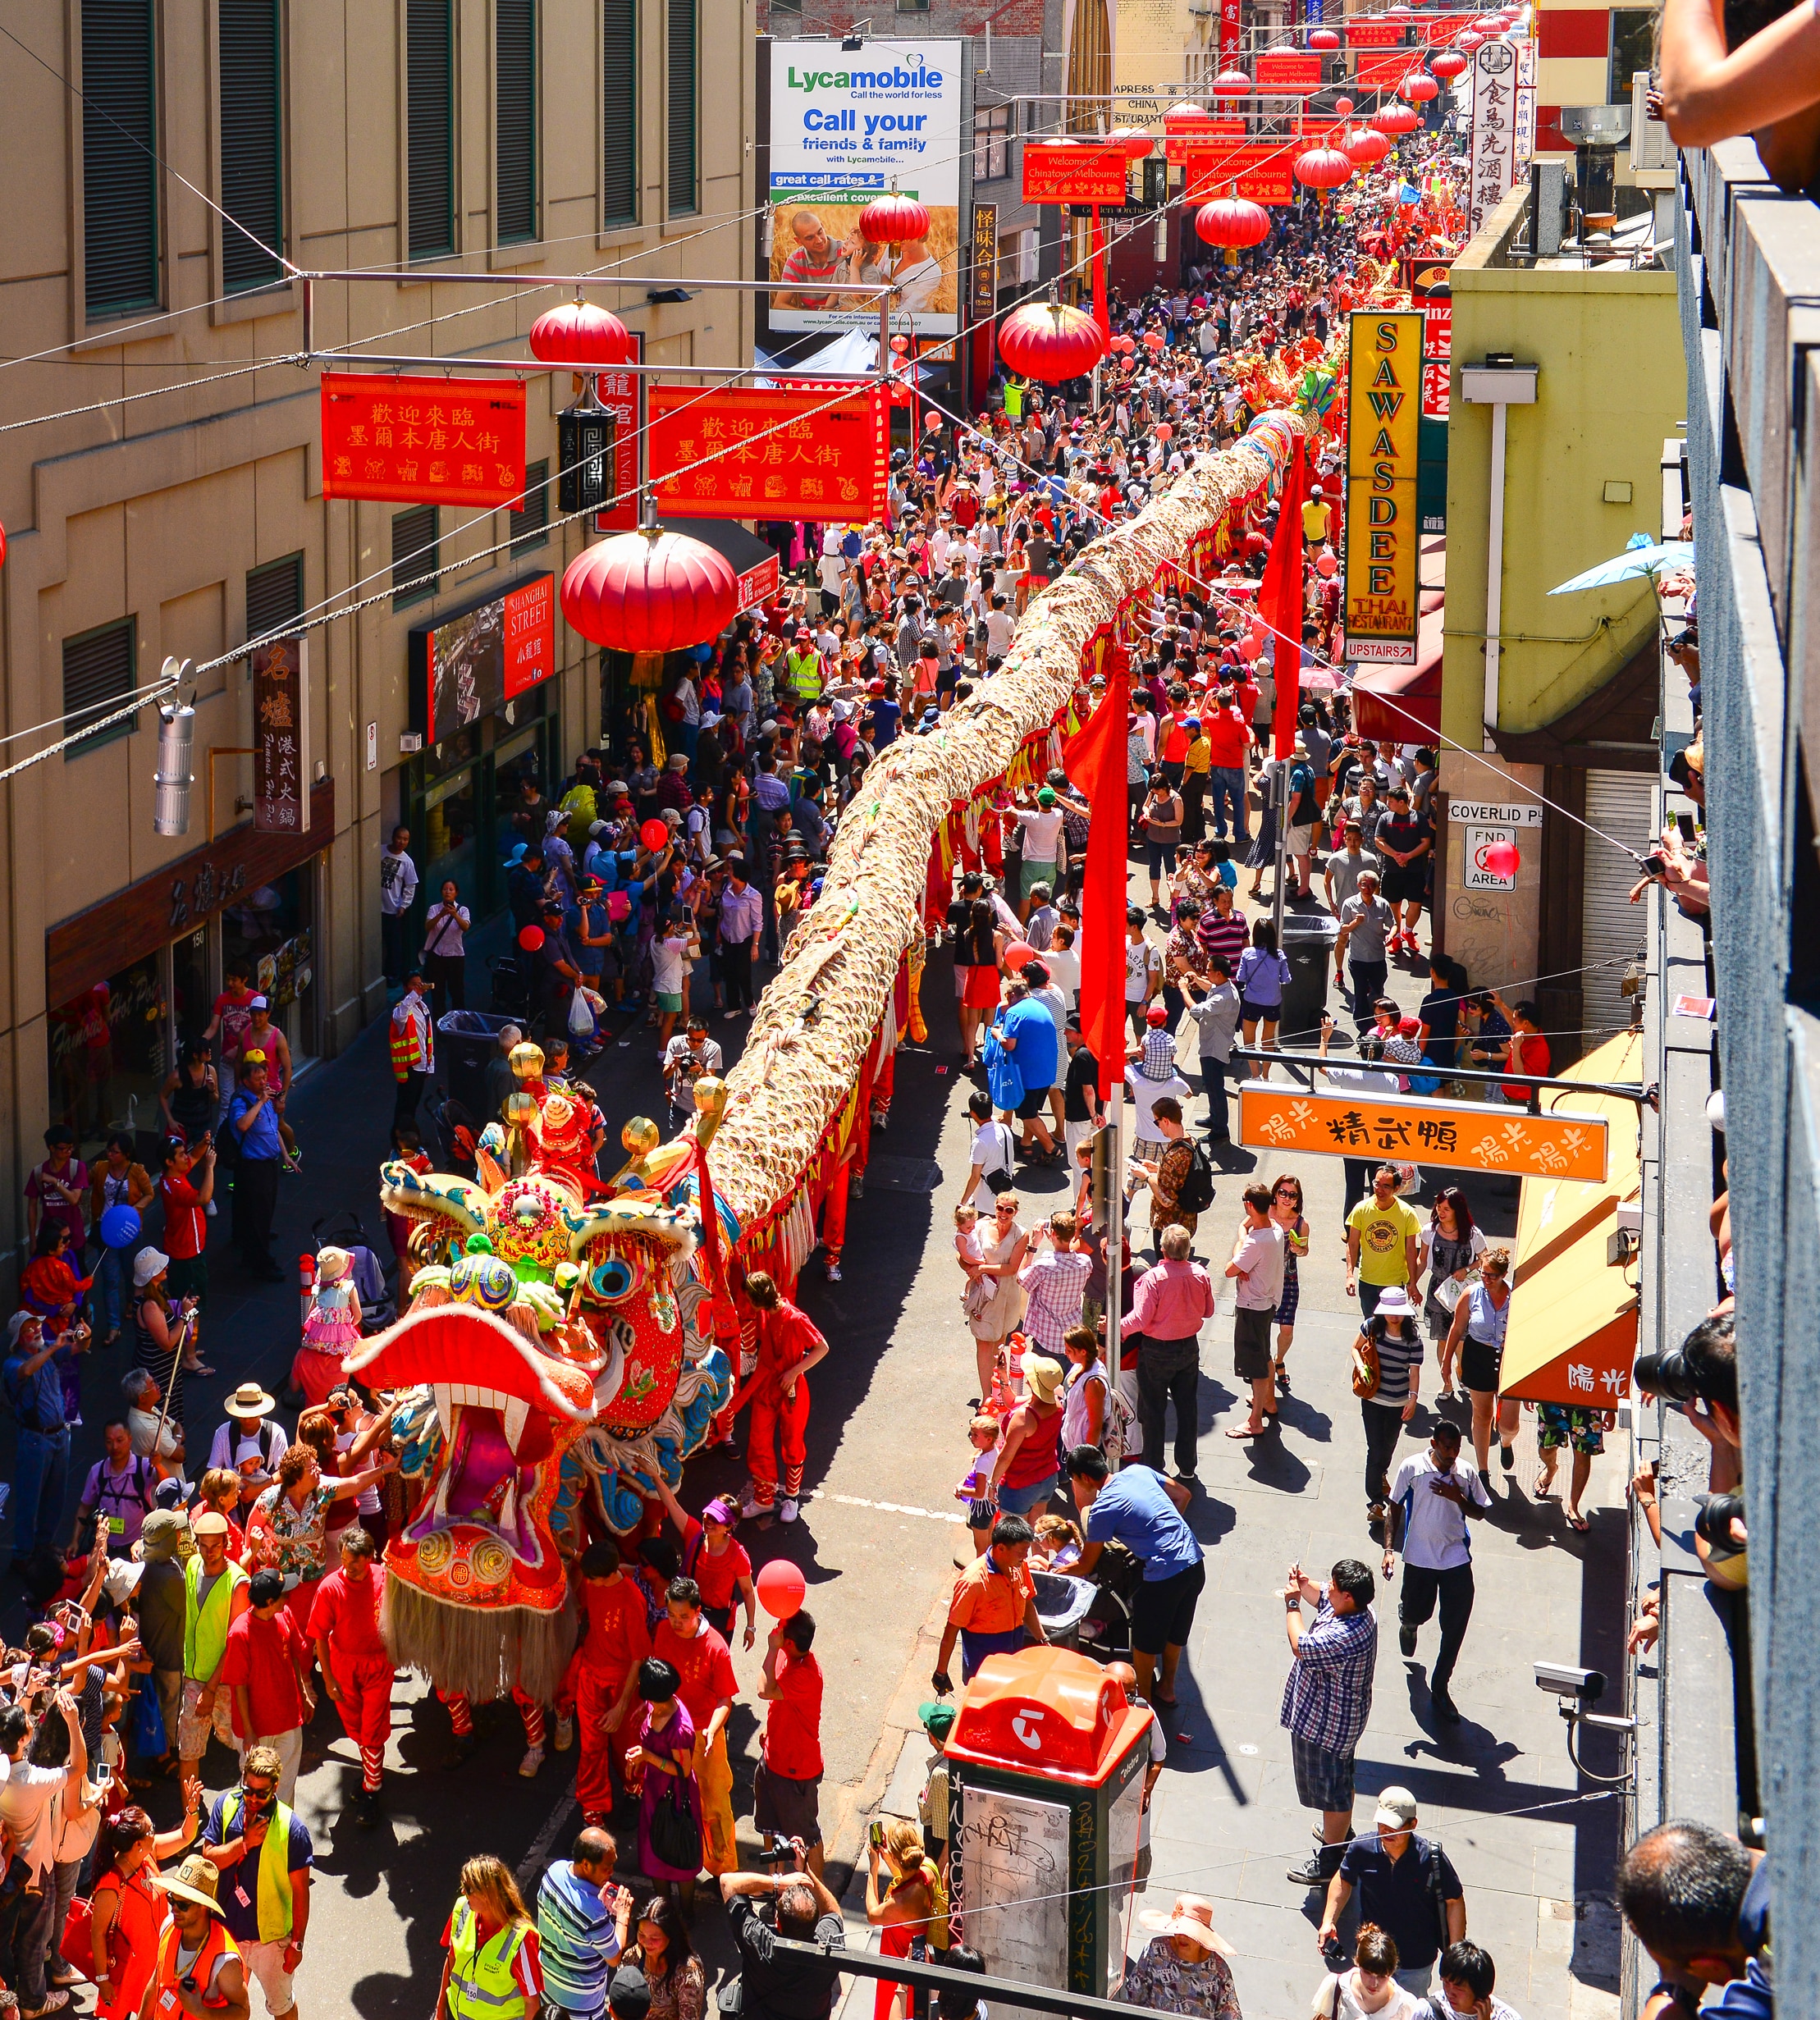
(1703, 1368)
(1566, 1681)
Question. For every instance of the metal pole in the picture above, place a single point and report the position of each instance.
(1115, 1219)
(1010, 1993)
(354, 359)
(513, 281)
(1494, 569)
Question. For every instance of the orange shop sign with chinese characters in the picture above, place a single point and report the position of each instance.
(1405, 1129)
(423, 442)
(749, 452)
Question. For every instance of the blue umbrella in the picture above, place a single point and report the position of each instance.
(1645, 557)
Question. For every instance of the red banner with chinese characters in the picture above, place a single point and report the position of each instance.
(530, 635)
(423, 442)
(1060, 174)
(1229, 32)
(765, 454)
(759, 585)
(1387, 72)
(1438, 33)
(280, 727)
(1369, 34)
(1288, 70)
(1180, 142)
(1261, 171)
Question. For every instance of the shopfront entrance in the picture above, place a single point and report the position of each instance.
(133, 980)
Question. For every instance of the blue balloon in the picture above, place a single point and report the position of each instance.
(120, 1226)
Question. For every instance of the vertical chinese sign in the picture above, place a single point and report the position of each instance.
(983, 292)
(618, 392)
(1382, 539)
(423, 442)
(281, 732)
(1229, 32)
(746, 452)
(1524, 145)
(1491, 153)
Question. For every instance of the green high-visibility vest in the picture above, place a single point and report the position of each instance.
(481, 1984)
(205, 1624)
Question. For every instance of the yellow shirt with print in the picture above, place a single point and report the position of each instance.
(1382, 1230)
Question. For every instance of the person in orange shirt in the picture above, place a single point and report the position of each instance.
(789, 1345)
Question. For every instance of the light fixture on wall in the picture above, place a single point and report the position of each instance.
(657, 296)
(853, 40)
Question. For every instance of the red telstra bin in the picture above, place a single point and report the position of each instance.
(1045, 1768)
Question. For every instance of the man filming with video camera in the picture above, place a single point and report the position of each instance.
(1699, 1379)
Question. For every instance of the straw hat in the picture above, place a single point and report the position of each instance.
(197, 1880)
(1191, 1917)
(249, 1400)
(1043, 1376)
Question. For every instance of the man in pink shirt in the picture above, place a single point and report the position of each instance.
(1172, 1302)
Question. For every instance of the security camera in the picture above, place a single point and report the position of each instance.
(1566, 1681)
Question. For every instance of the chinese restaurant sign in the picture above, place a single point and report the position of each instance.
(1062, 174)
(1463, 1135)
(618, 392)
(1491, 149)
(281, 732)
(1382, 538)
(423, 442)
(983, 292)
(768, 454)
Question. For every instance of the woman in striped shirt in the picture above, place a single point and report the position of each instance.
(1391, 1339)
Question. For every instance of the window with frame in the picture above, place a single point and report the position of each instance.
(529, 518)
(620, 112)
(515, 120)
(120, 186)
(1633, 49)
(429, 124)
(274, 596)
(98, 674)
(992, 132)
(912, 7)
(682, 111)
(252, 117)
(416, 556)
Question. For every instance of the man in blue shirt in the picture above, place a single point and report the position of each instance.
(577, 1932)
(264, 1904)
(255, 1122)
(1027, 1032)
(41, 1471)
(886, 714)
(1699, 1902)
(1142, 1510)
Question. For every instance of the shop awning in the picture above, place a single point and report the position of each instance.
(756, 564)
(1402, 704)
(1572, 1336)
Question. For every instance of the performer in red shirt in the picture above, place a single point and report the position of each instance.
(357, 1671)
(789, 1345)
(604, 1674)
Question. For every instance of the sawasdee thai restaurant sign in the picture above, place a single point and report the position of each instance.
(1383, 529)
(846, 127)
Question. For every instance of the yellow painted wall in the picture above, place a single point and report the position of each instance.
(1612, 385)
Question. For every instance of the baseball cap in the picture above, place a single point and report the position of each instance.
(937, 1718)
(208, 1523)
(1396, 1809)
(258, 1002)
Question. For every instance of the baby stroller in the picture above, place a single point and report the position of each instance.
(1104, 1629)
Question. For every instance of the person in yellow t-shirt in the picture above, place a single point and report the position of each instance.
(1381, 1235)
(1316, 515)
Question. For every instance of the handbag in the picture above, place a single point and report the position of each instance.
(1365, 1371)
(77, 1946)
(672, 1833)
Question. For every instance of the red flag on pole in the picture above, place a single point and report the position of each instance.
(1280, 596)
(1095, 762)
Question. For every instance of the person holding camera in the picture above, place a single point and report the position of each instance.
(263, 1854)
(1697, 1901)
(1406, 1885)
(41, 1470)
(1327, 1699)
(802, 1910)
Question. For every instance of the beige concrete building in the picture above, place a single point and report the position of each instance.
(176, 507)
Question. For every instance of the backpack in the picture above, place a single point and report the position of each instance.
(1196, 1192)
(1121, 1435)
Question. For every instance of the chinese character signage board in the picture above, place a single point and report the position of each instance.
(1363, 33)
(1260, 171)
(1491, 150)
(1061, 173)
(472, 664)
(423, 442)
(1463, 1136)
(1524, 144)
(1288, 70)
(846, 125)
(1182, 144)
(1431, 292)
(1383, 444)
(774, 454)
(984, 293)
(1230, 29)
(618, 392)
(281, 737)
(759, 585)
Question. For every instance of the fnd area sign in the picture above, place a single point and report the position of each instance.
(1383, 529)
(1463, 1136)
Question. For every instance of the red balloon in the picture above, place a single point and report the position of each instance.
(1501, 859)
(1250, 646)
(1154, 338)
(780, 1586)
(1324, 563)
(1165, 431)
(654, 834)
(1018, 953)
(531, 938)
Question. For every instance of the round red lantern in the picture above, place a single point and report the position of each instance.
(1343, 106)
(893, 220)
(1447, 63)
(1502, 860)
(1322, 38)
(1231, 83)
(1366, 147)
(1467, 43)
(1396, 118)
(1136, 142)
(1418, 87)
(1051, 341)
(531, 938)
(580, 335)
(1323, 168)
(1233, 221)
(649, 592)
(1185, 115)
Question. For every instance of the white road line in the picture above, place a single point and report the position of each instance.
(531, 1866)
(889, 1507)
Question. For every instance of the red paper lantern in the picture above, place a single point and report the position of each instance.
(1231, 83)
(531, 938)
(650, 592)
(893, 220)
(1136, 142)
(1396, 118)
(1184, 116)
(1447, 63)
(1322, 38)
(1323, 168)
(1343, 106)
(1367, 147)
(580, 335)
(654, 834)
(1232, 221)
(1502, 860)
(1467, 43)
(781, 1588)
(1051, 341)
(1419, 87)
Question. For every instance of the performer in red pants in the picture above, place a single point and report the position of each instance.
(604, 1674)
(790, 1345)
(344, 1624)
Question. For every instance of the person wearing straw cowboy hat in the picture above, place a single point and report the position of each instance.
(1183, 1968)
(199, 1963)
(247, 1443)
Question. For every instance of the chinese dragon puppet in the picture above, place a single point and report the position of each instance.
(567, 1342)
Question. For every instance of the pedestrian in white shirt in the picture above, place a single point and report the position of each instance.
(1214, 1004)
(1431, 1500)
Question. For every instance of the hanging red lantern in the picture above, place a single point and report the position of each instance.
(1050, 341)
(1322, 38)
(1231, 83)
(1467, 43)
(893, 220)
(1446, 63)
(1502, 860)
(1343, 106)
(1186, 116)
(1233, 221)
(1396, 118)
(580, 335)
(650, 592)
(1418, 87)
(1136, 142)
(1366, 147)
(1323, 168)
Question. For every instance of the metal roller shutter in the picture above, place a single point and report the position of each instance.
(1620, 804)
(619, 112)
(515, 119)
(680, 112)
(429, 158)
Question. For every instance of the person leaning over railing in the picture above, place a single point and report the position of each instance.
(1768, 86)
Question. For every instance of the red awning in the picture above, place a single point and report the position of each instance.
(1402, 704)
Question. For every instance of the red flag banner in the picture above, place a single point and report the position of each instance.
(1059, 173)
(1260, 171)
(423, 442)
(1094, 760)
(1279, 597)
(776, 454)
(1289, 70)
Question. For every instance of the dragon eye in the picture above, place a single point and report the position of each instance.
(612, 1280)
